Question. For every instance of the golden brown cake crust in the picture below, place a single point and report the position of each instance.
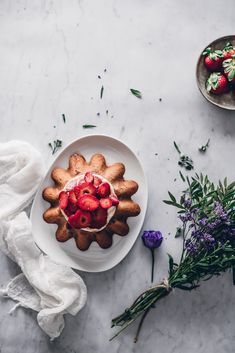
(124, 189)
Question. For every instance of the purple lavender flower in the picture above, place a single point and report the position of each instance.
(191, 248)
(203, 221)
(188, 203)
(209, 238)
(186, 217)
(219, 211)
(197, 234)
(152, 239)
(214, 224)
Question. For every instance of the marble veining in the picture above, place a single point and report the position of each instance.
(51, 55)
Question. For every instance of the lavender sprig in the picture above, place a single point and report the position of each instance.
(207, 215)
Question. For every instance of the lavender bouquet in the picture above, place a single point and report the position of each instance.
(208, 232)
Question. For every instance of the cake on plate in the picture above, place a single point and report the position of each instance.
(90, 201)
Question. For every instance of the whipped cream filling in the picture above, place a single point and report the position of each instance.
(110, 211)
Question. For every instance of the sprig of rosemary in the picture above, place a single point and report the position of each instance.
(184, 160)
(55, 145)
(203, 148)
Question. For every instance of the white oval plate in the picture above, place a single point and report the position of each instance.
(94, 259)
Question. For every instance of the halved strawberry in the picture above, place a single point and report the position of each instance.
(97, 181)
(80, 219)
(70, 209)
(72, 197)
(89, 177)
(114, 200)
(63, 200)
(104, 190)
(105, 203)
(99, 218)
(84, 188)
(88, 202)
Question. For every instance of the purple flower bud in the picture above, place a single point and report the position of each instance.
(188, 203)
(152, 239)
(191, 248)
(203, 221)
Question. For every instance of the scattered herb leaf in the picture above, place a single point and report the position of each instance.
(179, 232)
(87, 126)
(55, 146)
(177, 148)
(63, 117)
(101, 92)
(203, 148)
(184, 161)
(182, 177)
(136, 93)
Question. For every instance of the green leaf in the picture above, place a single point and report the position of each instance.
(173, 204)
(177, 148)
(101, 92)
(87, 126)
(136, 93)
(171, 264)
(179, 232)
(172, 196)
(182, 177)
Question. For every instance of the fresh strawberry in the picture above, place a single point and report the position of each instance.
(104, 190)
(228, 51)
(99, 218)
(63, 200)
(80, 219)
(216, 83)
(89, 177)
(88, 202)
(114, 200)
(70, 209)
(72, 197)
(97, 181)
(105, 203)
(229, 69)
(213, 59)
(84, 188)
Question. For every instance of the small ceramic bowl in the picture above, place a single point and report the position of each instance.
(225, 100)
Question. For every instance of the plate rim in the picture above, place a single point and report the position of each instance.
(197, 71)
(106, 268)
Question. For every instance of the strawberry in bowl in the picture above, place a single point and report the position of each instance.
(228, 51)
(229, 69)
(213, 59)
(217, 83)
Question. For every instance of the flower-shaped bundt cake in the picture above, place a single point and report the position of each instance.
(90, 201)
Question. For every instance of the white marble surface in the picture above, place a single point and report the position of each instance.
(51, 55)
